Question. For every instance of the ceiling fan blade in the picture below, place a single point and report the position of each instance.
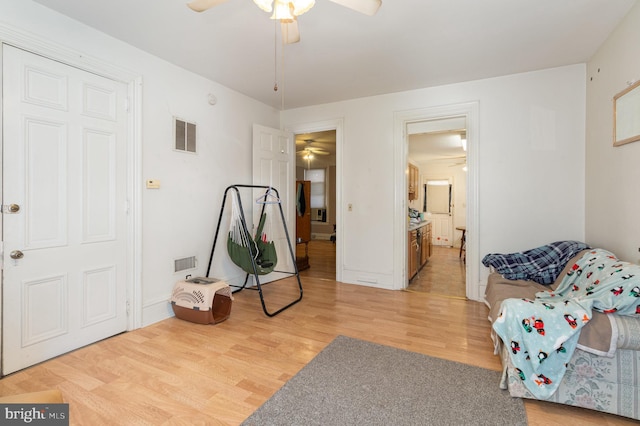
(202, 5)
(368, 7)
(290, 32)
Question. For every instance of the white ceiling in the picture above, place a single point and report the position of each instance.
(437, 140)
(443, 148)
(408, 44)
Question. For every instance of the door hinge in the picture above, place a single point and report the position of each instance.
(126, 104)
(128, 308)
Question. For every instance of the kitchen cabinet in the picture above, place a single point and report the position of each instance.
(419, 249)
(413, 182)
(413, 254)
(425, 244)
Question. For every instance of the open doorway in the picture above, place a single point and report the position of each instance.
(403, 119)
(437, 207)
(316, 206)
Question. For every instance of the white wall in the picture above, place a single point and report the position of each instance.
(531, 157)
(613, 174)
(531, 164)
(178, 219)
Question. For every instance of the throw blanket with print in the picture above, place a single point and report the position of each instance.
(542, 334)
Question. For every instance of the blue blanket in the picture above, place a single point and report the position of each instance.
(542, 334)
(542, 264)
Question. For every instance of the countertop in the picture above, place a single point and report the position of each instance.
(414, 226)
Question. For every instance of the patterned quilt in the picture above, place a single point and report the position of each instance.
(542, 334)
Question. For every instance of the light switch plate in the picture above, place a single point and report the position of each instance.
(153, 184)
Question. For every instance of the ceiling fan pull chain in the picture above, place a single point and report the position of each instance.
(282, 75)
(275, 55)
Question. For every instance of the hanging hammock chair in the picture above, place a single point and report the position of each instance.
(242, 248)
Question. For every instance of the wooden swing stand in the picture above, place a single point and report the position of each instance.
(258, 257)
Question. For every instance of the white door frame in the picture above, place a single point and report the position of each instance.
(469, 110)
(338, 126)
(26, 41)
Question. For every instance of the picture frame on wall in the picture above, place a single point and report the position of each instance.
(626, 115)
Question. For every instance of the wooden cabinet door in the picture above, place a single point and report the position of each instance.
(424, 246)
(413, 254)
(303, 215)
(413, 182)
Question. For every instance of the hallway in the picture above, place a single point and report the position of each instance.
(444, 274)
(322, 259)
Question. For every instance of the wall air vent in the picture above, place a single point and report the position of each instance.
(185, 134)
(184, 263)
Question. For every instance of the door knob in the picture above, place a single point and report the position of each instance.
(10, 208)
(16, 254)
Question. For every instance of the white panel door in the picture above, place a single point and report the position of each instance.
(273, 166)
(64, 166)
(441, 230)
(439, 208)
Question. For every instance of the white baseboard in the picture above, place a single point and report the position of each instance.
(155, 311)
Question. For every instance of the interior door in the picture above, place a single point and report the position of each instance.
(441, 230)
(440, 209)
(64, 208)
(273, 165)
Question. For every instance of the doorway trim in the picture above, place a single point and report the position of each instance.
(338, 126)
(43, 47)
(470, 111)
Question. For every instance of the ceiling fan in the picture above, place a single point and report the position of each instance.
(310, 147)
(460, 160)
(287, 11)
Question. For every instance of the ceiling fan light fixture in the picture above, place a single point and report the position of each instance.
(265, 5)
(282, 11)
(288, 10)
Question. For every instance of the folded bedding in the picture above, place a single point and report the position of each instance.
(542, 333)
(542, 264)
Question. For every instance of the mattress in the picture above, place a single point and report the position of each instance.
(591, 381)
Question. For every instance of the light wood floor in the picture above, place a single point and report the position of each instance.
(178, 373)
(443, 274)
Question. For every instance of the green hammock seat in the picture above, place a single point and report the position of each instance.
(243, 249)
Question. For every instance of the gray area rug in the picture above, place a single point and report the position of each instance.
(353, 382)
